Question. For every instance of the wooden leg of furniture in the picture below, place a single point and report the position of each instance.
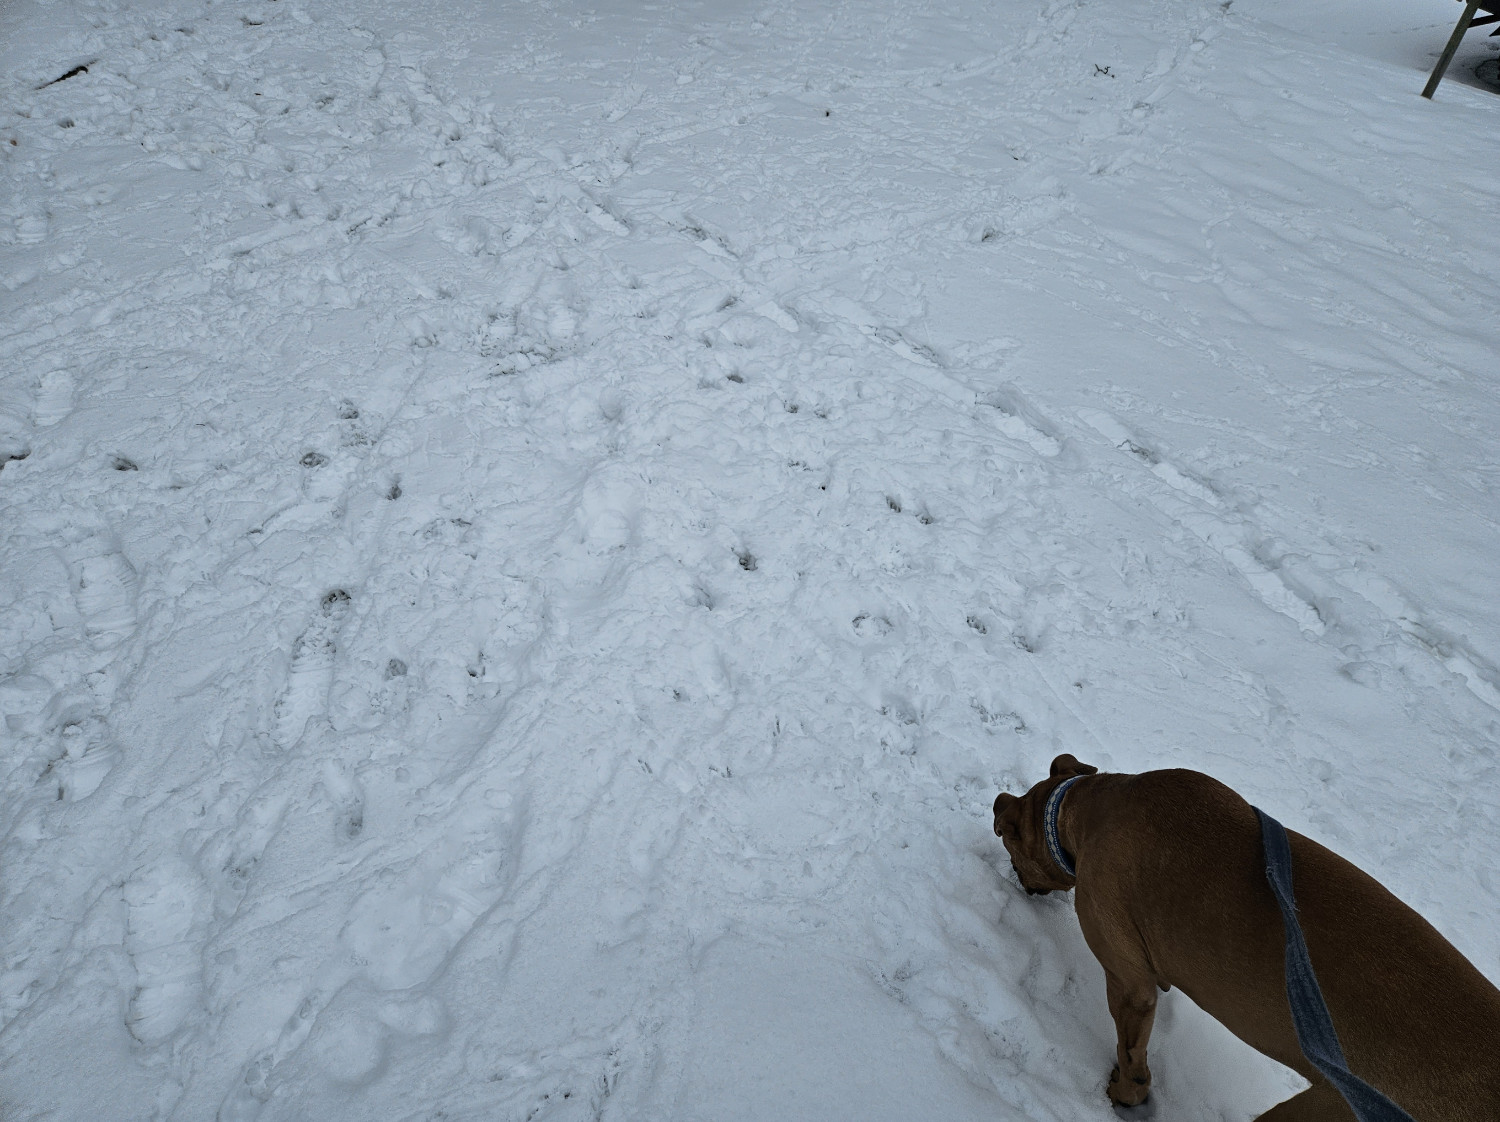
(1451, 49)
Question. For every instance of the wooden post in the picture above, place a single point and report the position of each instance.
(1451, 49)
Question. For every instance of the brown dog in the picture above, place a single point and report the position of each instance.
(1172, 892)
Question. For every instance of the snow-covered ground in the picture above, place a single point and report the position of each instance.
(531, 534)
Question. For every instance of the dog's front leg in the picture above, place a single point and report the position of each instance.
(1133, 1006)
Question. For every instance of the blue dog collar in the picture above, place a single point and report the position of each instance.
(1049, 826)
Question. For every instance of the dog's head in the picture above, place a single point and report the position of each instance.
(1019, 824)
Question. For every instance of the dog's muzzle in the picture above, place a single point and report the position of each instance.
(1022, 882)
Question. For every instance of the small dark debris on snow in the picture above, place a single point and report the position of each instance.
(81, 68)
(124, 463)
(746, 559)
(313, 460)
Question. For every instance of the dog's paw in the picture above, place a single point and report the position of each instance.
(1128, 1092)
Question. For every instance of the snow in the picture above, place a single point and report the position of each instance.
(534, 533)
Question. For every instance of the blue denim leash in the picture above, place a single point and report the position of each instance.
(1315, 1032)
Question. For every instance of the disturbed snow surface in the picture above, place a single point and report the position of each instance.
(532, 536)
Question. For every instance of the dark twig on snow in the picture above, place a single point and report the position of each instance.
(81, 68)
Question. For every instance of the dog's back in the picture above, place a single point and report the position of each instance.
(1415, 1017)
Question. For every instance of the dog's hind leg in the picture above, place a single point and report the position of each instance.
(1319, 1103)
(1132, 1004)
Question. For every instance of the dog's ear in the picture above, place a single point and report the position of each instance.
(1068, 764)
(1003, 802)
